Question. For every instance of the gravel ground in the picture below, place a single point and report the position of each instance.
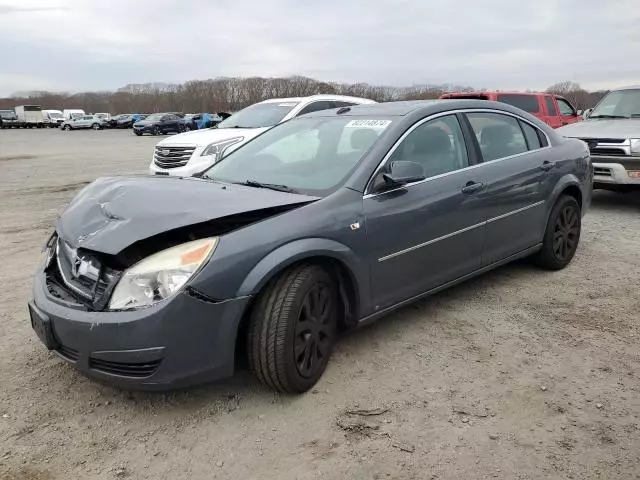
(518, 374)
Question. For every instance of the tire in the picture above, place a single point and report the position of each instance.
(137, 133)
(562, 235)
(96, 126)
(292, 329)
(157, 131)
(66, 128)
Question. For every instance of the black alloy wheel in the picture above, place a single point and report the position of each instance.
(566, 233)
(314, 331)
(292, 328)
(562, 235)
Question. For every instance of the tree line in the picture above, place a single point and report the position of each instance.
(232, 94)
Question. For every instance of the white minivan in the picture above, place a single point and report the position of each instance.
(70, 113)
(191, 153)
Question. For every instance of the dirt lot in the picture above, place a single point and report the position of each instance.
(519, 374)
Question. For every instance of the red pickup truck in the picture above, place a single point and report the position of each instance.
(552, 109)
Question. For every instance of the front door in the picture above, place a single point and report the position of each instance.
(428, 233)
(515, 173)
(567, 113)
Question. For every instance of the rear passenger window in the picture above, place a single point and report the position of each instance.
(531, 134)
(499, 135)
(551, 107)
(315, 107)
(528, 103)
(342, 104)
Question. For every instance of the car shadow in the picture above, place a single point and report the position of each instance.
(619, 202)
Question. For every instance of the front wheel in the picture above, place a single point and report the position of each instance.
(293, 328)
(96, 126)
(66, 128)
(562, 235)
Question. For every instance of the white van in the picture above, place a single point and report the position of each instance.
(191, 153)
(70, 113)
(53, 118)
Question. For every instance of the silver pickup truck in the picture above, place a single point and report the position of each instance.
(612, 131)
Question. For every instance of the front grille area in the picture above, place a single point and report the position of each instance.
(602, 171)
(68, 353)
(125, 369)
(608, 151)
(604, 140)
(80, 278)
(173, 156)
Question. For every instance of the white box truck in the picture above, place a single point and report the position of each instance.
(29, 116)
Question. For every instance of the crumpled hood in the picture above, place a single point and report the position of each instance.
(114, 212)
(603, 128)
(204, 137)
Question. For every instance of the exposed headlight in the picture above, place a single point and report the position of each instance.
(635, 146)
(217, 148)
(161, 275)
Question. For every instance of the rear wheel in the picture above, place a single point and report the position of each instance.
(96, 126)
(67, 127)
(157, 131)
(293, 328)
(562, 235)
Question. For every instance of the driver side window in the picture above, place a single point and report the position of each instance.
(437, 145)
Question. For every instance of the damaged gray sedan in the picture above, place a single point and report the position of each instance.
(321, 224)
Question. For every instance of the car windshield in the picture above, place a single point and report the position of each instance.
(313, 156)
(154, 117)
(259, 115)
(7, 115)
(618, 104)
(55, 115)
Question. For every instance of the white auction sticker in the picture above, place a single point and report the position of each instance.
(287, 104)
(368, 124)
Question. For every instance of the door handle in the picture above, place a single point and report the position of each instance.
(472, 187)
(547, 165)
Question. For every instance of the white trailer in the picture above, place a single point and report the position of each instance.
(29, 116)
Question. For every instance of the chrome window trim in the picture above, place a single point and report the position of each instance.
(458, 232)
(383, 162)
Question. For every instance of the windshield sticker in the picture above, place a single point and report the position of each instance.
(368, 124)
(287, 104)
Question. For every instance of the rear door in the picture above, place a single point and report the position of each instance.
(568, 114)
(552, 117)
(425, 234)
(515, 172)
(315, 107)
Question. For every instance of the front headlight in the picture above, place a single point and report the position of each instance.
(635, 146)
(161, 275)
(216, 149)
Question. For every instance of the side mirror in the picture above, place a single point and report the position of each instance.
(587, 113)
(400, 173)
(579, 112)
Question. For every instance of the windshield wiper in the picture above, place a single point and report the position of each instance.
(270, 186)
(608, 116)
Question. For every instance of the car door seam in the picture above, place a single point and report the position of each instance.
(458, 232)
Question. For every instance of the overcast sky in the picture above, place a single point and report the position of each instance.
(77, 45)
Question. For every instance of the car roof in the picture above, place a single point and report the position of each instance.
(496, 92)
(630, 87)
(424, 107)
(320, 97)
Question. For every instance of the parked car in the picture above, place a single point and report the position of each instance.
(29, 116)
(85, 121)
(127, 120)
(159, 124)
(323, 223)
(552, 109)
(198, 121)
(612, 132)
(70, 113)
(193, 152)
(53, 118)
(8, 119)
